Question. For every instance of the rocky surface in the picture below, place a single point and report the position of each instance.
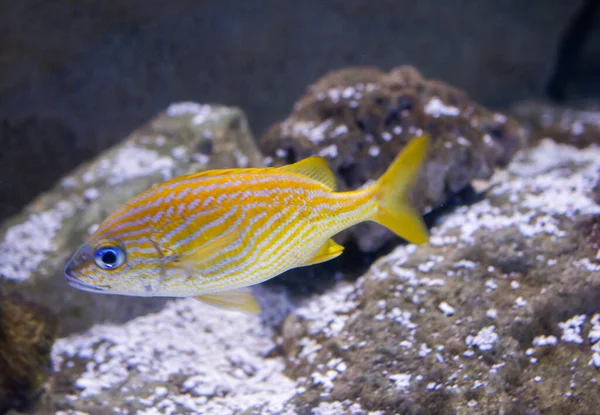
(75, 77)
(360, 118)
(575, 125)
(27, 332)
(35, 245)
(498, 314)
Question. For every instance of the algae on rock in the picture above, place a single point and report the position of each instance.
(35, 245)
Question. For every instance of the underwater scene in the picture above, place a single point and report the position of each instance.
(314, 208)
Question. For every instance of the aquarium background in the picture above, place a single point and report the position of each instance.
(77, 77)
(499, 313)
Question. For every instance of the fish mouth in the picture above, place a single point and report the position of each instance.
(75, 283)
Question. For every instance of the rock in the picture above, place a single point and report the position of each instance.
(498, 314)
(78, 76)
(360, 118)
(27, 332)
(188, 358)
(35, 245)
(578, 126)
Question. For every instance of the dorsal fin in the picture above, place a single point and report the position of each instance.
(314, 167)
(224, 172)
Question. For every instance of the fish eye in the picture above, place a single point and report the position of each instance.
(109, 257)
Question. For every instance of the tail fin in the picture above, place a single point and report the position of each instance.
(395, 210)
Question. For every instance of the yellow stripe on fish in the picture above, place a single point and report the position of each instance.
(210, 234)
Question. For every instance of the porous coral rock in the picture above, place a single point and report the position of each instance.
(360, 118)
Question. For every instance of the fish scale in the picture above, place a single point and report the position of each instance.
(207, 235)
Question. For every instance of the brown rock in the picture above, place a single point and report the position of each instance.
(27, 332)
(360, 118)
(578, 126)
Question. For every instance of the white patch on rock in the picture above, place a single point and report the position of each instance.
(464, 263)
(541, 192)
(500, 118)
(131, 162)
(26, 245)
(594, 334)
(339, 130)
(491, 285)
(178, 109)
(588, 265)
(401, 380)
(446, 308)
(572, 329)
(542, 341)
(91, 194)
(179, 152)
(374, 151)
(329, 151)
(309, 349)
(216, 353)
(435, 107)
(328, 314)
(240, 158)
(484, 340)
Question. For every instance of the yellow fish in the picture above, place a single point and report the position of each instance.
(210, 234)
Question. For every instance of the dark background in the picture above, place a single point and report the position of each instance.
(78, 76)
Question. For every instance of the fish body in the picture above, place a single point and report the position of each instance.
(209, 234)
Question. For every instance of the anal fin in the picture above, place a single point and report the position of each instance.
(240, 300)
(329, 250)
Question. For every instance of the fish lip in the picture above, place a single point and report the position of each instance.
(75, 283)
(83, 286)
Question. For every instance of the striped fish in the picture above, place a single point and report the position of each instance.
(211, 234)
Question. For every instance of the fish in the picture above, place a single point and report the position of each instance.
(212, 235)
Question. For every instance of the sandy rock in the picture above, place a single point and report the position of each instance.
(360, 118)
(35, 245)
(187, 358)
(498, 314)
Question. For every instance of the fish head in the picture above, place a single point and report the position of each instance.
(115, 266)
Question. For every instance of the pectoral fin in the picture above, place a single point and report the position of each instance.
(329, 250)
(195, 259)
(241, 300)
